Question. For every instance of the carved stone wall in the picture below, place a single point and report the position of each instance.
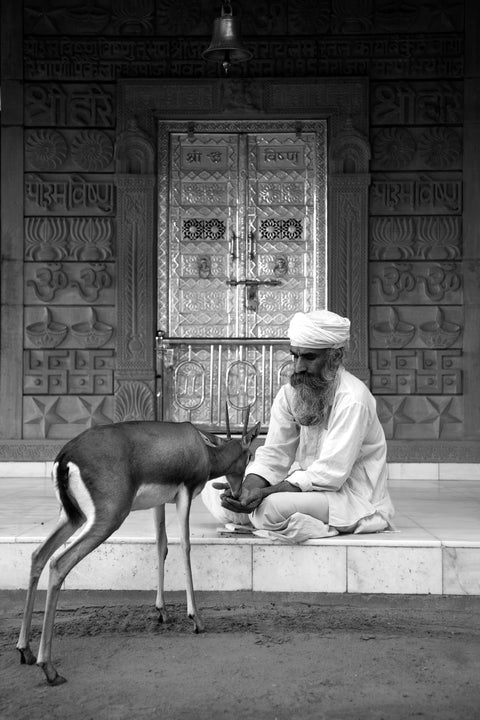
(83, 86)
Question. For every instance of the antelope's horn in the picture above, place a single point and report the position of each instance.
(227, 421)
(245, 422)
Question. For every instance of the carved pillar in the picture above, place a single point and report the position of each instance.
(11, 194)
(471, 221)
(135, 376)
(348, 241)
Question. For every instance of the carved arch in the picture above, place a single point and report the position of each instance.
(134, 151)
(349, 152)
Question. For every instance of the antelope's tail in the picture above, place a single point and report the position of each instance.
(61, 481)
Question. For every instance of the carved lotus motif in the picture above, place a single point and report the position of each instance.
(46, 333)
(91, 238)
(46, 238)
(439, 333)
(393, 333)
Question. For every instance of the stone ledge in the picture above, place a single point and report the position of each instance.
(338, 565)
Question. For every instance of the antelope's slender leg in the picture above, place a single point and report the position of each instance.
(40, 556)
(162, 550)
(92, 536)
(183, 502)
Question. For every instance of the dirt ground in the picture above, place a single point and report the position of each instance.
(289, 656)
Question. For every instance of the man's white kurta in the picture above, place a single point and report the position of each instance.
(346, 457)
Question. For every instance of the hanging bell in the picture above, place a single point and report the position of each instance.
(225, 46)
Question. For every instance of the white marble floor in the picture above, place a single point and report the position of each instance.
(445, 510)
(435, 548)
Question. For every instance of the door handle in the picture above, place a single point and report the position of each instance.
(252, 286)
(251, 244)
(233, 246)
(253, 283)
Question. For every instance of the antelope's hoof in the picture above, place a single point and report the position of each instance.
(57, 680)
(26, 656)
(53, 678)
(198, 626)
(162, 615)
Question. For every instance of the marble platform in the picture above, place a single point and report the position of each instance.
(435, 548)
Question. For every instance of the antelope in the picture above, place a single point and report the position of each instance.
(106, 472)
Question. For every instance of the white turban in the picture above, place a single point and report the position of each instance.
(319, 329)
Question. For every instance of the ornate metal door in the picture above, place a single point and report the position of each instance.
(243, 248)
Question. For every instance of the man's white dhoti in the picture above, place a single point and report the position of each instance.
(288, 517)
(211, 499)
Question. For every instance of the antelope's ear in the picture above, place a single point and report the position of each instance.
(210, 439)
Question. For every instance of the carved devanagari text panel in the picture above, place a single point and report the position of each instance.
(69, 105)
(74, 194)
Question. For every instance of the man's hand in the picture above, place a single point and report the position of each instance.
(251, 495)
(247, 502)
(254, 490)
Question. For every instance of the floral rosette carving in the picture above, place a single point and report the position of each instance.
(45, 149)
(394, 148)
(440, 147)
(92, 150)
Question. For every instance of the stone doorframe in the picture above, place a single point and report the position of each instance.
(141, 105)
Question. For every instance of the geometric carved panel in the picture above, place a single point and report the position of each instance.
(422, 417)
(416, 371)
(68, 372)
(54, 417)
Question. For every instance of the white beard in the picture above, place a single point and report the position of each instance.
(312, 397)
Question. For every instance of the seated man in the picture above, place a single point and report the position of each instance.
(323, 467)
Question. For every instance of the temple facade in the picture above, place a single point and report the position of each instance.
(162, 219)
